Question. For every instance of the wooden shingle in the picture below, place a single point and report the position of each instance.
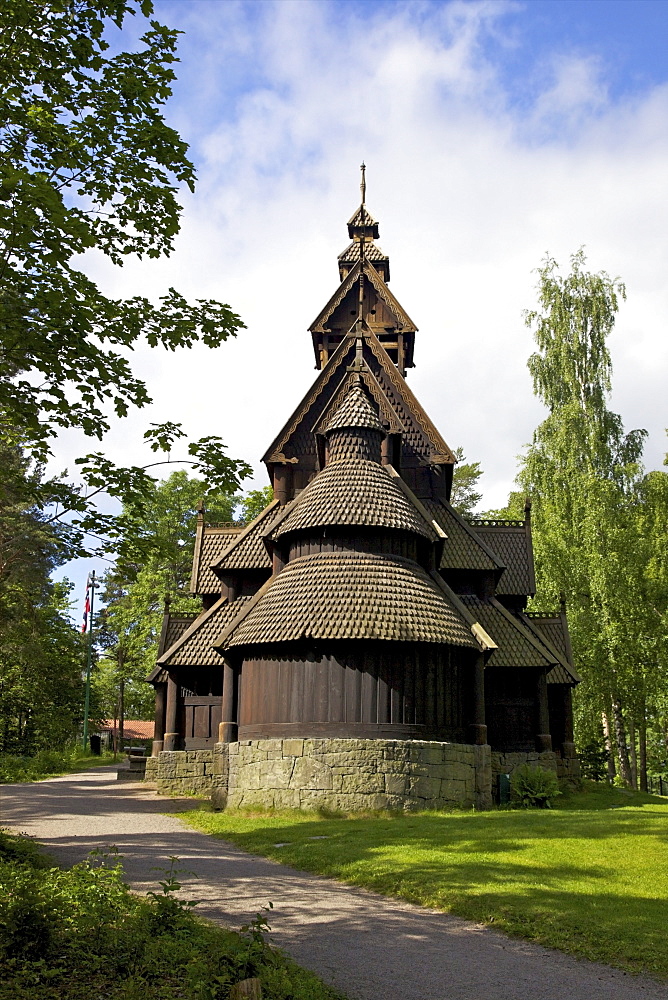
(351, 595)
(354, 492)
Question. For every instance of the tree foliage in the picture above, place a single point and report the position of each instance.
(88, 165)
(154, 561)
(465, 496)
(41, 653)
(596, 515)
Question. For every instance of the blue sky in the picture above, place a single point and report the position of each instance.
(493, 132)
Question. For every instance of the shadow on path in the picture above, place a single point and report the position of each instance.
(370, 947)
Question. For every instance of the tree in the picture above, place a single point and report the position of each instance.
(41, 653)
(465, 497)
(253, 503)
(89, 165)
(584, 475)
(154, 560)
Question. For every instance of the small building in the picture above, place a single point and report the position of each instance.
(360, 618)
(134, 731)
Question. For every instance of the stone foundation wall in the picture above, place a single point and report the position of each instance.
(568, 770)
(505, 763)
(345, 774)
(188, 772)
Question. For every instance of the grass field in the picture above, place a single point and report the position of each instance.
(589, 878)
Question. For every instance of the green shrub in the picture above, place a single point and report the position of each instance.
(14, 769)
(533, 787)
(594, 760)
(70, 935)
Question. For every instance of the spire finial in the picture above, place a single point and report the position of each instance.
(363, 182)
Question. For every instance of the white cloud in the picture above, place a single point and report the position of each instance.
(470, 192)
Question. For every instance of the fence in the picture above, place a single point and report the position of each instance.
(657, 786)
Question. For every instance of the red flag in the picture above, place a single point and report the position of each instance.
(86, 611)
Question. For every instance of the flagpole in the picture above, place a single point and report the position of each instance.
(89, 663)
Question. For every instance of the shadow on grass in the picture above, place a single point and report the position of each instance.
(456, 862)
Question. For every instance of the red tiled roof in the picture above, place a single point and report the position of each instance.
(133, 729)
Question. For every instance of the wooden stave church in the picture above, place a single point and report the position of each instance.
(305, 629)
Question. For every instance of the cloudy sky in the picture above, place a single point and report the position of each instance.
(493, 132)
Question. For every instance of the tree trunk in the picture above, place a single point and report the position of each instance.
(620, 740)
(634, 755)
(121, 712)
(642, 739)
(612, 771)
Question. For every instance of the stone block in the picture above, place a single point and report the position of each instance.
(277, 773)
(397, 785)
(309, 773)
(286, 798)
(294, 748)
(363, 784)
(454, 791)
(425, 788)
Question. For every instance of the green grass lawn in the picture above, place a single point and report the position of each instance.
(590, 877)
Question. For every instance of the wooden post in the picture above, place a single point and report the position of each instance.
(282, 483)
(478, 728)
(386, 450)
(228, 729)
(568, 746)
(159, 724)
(171, 735)
(543, 736)
(277, 559)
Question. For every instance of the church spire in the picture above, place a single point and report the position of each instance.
(363, 230)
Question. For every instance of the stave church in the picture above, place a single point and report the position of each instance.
(361, 644)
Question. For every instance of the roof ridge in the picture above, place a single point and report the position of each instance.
(551, 648)
(524, 630)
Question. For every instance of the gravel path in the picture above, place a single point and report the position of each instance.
(370, 947)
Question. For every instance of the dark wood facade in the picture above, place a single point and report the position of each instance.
(359, 603)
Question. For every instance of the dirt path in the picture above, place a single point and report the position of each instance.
(370, 947)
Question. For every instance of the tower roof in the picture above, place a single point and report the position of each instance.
(363, 230)
(354, 491)
(350, 595)
(354, 411)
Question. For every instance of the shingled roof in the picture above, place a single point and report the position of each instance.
(350, 595)
(551, 630)
(463, 549)
(361, 219)
(354, 411)
(195, 647)
(210, 543)
(517, 646)
(247, 550)
(354, 491)
(353, 252)
(511, 542)
(173, 629)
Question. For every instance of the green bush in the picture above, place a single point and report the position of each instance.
(81, 933)
(533, 787)
(594, 760)
(14, 769)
